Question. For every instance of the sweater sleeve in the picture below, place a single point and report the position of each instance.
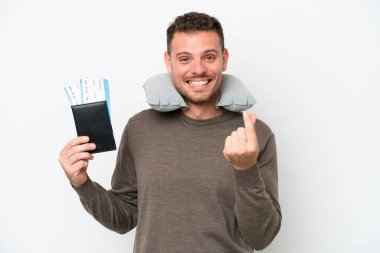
(257, 208)
(116, 209)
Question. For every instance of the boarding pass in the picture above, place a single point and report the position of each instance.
(88, 91)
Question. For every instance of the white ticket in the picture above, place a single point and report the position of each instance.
(88, 91)
(73, 92)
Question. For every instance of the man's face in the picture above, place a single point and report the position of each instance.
(196, 63)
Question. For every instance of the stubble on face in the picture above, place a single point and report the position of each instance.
(197, 97)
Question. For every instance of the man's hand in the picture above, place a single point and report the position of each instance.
(74, 159)
(241, 148)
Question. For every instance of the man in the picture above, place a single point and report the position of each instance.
(198, 180)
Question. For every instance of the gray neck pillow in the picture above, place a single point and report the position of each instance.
(162, 95)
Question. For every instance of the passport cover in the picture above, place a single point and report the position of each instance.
(93, 120)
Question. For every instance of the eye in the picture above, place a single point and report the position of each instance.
(210, 57)
(184, 59)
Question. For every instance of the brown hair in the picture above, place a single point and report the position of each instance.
(191, 22)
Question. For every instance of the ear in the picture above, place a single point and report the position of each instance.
(167, 62)
(225, 59)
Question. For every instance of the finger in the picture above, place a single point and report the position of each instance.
(81, 156)
(253, 119)
(249, 127)
(242, 137)
(227, 147)
(227, 143)
(76, 168)
(66, 162)
(78, 149)
(75, 142)
(79, 165)
(234, 140)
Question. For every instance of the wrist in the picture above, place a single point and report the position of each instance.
(245, 167)
(77, 182)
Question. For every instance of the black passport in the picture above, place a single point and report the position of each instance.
(93, 120)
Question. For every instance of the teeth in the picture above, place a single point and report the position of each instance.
(198, 83)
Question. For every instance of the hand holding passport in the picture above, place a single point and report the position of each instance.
(90, 106)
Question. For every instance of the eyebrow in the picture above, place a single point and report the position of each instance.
(205, 52)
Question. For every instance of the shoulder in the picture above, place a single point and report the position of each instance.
(265, 137)
(263, 130)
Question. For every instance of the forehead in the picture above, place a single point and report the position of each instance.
(195, 41)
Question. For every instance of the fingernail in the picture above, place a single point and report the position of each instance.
(92, 145)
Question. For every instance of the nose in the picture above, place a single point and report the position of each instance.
(198, 67)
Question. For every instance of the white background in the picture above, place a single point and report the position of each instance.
(313, 67)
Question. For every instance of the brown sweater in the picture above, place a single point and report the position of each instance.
(172, 181)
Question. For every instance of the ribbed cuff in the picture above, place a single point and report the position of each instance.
(86, 191)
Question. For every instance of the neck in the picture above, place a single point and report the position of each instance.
(202, 111)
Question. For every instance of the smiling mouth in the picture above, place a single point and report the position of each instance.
(198, 83)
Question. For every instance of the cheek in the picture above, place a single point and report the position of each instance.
(178, 70)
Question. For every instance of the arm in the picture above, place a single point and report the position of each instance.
(116, 209)
(257, 209)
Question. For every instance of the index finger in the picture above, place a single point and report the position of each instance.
(74, 142)
(249, 124)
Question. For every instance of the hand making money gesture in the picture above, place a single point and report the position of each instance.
(241, 148)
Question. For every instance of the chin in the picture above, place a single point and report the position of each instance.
(200, 100)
